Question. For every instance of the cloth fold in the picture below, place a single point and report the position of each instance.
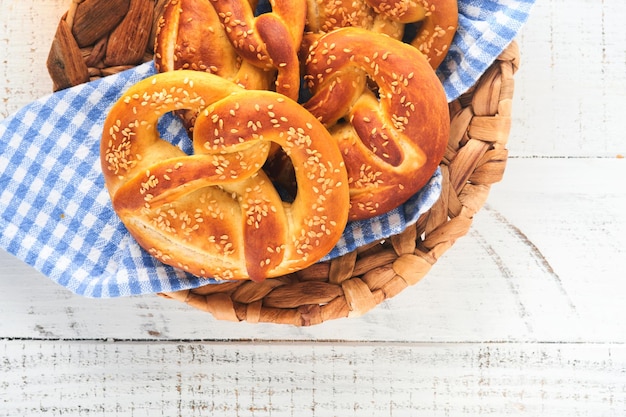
(55, 213)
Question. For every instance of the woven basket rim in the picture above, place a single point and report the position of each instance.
(357, 282)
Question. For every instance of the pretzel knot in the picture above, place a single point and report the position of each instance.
(393, 136)
(270, 40)
(215, 213)
(190, 35)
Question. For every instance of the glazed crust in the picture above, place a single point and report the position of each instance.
(428, 25)
(326, 15)
(270, 40)
(392, 137)
(190, 36)
(215, 213)
(436, 22)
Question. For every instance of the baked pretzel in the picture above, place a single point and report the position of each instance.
(436, 25)
(392, 138)
(215, 213)
(270, 40)
(429, 25)
(190, 36)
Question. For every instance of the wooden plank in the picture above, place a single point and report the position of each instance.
(293, 379)
(574, 222)
(542, 262)
(26, 32)
(571, 85)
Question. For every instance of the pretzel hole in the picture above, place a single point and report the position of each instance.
(279, 169)
(262, 7)
(411, 30)
(368, 121)
(174, 130)
(372, 86)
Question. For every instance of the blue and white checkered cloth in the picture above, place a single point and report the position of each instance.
(55, 211)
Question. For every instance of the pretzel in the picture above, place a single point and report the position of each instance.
(215, 213)
(190, 36)
(270, 40)
(392, 139)
(436, 25)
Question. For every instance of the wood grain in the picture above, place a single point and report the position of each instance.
(26, 32)
(292, 379)
(572, 80)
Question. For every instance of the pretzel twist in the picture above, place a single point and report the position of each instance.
(392, 139)
(190, 36)
(215, 213)
(270, 40)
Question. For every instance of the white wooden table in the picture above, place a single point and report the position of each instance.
(523, 316)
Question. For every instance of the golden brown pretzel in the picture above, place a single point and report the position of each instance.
(270, 40)
(438, 20)
(215, 213)
(190, 36)
(429, 25)
(392, 139)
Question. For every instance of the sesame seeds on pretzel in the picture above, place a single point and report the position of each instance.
(435, 22)
(326, 15)
(393, 136)
(270, 40)
(215, 213)
(190, 36)
(428, 25)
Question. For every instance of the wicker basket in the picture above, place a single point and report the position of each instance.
(355, 283)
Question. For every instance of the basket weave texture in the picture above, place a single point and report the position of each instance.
(355, 283)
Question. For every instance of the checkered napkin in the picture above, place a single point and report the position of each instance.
(55, 211)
